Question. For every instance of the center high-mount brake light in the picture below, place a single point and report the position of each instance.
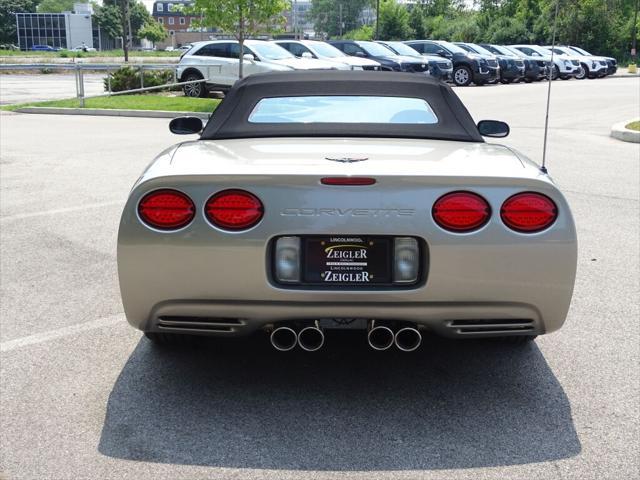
(166, 209)
(461, 211)
(234, 210)
(348, 181)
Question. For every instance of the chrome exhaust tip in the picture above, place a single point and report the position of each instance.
(380, 338)
(408, 339)
(284, 339)
(311, 339)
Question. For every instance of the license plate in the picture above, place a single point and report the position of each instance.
(347, 260)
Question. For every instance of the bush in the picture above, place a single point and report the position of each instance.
(128, 78)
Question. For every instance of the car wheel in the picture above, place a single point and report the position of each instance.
(462, 76)
(583, 73)
(169, 339)
(556, 73)
(194, 90)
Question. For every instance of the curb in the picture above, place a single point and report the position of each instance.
(111, 112)
(620, 132)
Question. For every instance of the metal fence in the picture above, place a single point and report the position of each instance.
(81, 68)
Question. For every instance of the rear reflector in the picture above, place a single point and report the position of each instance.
(528, 212)
(354, 181)
(166, 209)
(461, 211)
(234, 210)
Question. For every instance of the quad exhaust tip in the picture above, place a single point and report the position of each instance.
(311, 339)
(380, 338)
(284, 339)
(408, 339)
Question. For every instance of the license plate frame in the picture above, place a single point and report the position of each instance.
(347, 260)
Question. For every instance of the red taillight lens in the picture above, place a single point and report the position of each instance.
(461, 211)
(166, 209)
(234, 210)
(528, 212)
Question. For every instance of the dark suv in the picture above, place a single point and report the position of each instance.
(387, 59)
(439, 67)
(467, 67)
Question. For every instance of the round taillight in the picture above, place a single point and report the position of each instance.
(166, 209)
(461, 211)
(528, 212)
(234, 210)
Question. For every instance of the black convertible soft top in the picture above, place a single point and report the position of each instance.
(230, 120)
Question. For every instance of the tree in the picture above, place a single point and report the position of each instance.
(55, 6)
(152, 31)
(394, 21)
(8, 10)
(122, 18)
(242, 18)
(335, 17)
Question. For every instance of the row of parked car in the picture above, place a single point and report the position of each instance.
(459, 63)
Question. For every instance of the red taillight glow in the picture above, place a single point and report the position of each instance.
(354, 181)
(166, 209)
(234, 210)
(528, 212)
(461, 211)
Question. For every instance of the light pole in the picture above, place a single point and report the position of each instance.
(634, 40)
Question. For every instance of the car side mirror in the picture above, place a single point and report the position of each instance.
(493, 128)
(442, 53)
(360, 54)
(306, 55)
(185, 125)
(249, 57)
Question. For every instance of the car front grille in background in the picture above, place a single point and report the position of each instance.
(415, 67)
(575, 63)
(471, 327)
(492, 63)
(519, 63)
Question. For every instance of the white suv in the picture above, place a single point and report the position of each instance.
(218, 63)
(592, 66)
(564, 66)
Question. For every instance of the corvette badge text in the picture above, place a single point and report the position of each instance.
(348, 212)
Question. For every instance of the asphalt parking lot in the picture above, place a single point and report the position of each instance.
(82, 395)
(55, 86)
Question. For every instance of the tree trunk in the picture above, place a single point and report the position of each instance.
(241, 43)
(125, 29)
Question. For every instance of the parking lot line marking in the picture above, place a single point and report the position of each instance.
(20, 216)
(60, 332)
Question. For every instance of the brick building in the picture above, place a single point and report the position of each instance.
(171, 14)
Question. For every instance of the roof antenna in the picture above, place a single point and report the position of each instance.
(543, 168)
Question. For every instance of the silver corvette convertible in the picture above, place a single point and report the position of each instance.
(345, 200)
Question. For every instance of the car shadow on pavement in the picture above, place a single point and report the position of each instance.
(241, 404)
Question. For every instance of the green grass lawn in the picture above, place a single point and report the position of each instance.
(634, 126)
(105, 53)
(131, 102)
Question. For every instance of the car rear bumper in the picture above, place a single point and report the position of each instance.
(238, 318)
